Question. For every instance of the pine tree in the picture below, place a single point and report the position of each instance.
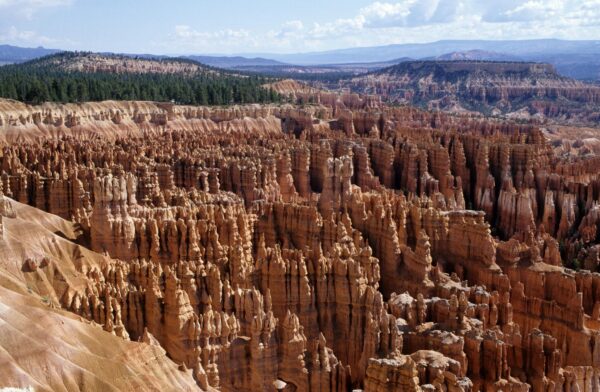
(37, 81)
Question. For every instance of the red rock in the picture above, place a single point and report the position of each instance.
(321, 248)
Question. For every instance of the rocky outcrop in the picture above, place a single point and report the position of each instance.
(527, 91)
(317, 248)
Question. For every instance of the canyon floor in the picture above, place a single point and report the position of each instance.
(332, 246)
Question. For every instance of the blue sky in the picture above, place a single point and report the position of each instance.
(283, 26)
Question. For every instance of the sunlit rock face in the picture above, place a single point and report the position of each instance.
(328, 247)
(517, 90)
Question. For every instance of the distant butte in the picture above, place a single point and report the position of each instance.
(517, 90)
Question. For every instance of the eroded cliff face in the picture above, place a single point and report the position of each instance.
(527, 91)
(46, 348)
(323, 248)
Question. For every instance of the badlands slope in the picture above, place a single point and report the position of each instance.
(49, 349)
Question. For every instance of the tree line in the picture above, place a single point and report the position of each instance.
(34, 83)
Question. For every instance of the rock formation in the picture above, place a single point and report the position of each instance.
(326, 247)
(517, 90)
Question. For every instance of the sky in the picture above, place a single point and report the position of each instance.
(284, 26)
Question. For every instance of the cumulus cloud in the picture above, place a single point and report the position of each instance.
(337, 28)
(186, 32)
(414, 13)
(186, 37)
(289, 30)
(384, 15)
(409, 13)
(386, 22)
(430, 20)
(292, 25)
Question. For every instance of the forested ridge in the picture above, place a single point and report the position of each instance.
(42, 80)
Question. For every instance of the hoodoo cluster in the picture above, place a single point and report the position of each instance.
(327, 247)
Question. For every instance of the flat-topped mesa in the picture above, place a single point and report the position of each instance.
(520, 90)
(503, 67)
(92, 63)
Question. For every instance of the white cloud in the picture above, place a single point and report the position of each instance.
(405, 13)
(380, 15)
(28, 8)
(378, 12)
(564, 13)
(28, 37)
(527, 11)
(288, 32)
(187, 38)
(402, 21)
(337, 28)
(186, 32)
(292, 25)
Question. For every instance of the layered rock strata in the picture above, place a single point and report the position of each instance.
(318, 248)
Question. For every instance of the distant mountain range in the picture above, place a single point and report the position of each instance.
(527, 48)
(476, 55)
(234, 61)
(317, 72)
(14, 54)
(576, 59)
